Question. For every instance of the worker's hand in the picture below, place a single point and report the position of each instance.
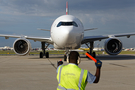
(60, 63)
(98, 64)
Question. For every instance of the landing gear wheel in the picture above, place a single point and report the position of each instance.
(94, 54)
(47, 54)
(65, 58)
(41, 54)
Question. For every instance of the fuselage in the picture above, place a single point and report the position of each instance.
(67, 32)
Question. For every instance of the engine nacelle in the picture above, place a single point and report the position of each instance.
(22, 46)
(113, 46)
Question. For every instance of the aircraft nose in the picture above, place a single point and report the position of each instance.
(67, 32)
(67, 35)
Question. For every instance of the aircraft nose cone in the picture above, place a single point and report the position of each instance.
(67, 34)
(66, 37)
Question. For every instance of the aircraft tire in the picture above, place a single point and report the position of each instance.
(94, 54)
(65, 58)
(41, 55)
(47, 54)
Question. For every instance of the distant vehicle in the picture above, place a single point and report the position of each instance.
(129, 49)
(6, 48)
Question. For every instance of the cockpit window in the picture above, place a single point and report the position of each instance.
(67, 24)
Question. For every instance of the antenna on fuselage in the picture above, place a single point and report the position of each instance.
(66, 8)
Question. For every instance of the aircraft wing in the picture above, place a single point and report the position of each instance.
(41, 39)
(100, 37)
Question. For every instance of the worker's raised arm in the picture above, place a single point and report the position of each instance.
(98, 64)
(98, 70)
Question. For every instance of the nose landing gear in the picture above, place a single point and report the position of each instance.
(66, 55)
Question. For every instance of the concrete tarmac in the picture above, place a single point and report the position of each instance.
(33, 73)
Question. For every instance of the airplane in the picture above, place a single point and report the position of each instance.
(67, 32)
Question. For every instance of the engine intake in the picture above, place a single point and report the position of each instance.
(113, 46)
(22, 46)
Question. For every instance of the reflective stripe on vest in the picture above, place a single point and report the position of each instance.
(80, 80)
(62, 88)
(60, 73)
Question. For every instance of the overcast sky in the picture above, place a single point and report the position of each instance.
(23, 17)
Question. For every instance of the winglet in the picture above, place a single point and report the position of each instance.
(66, 8)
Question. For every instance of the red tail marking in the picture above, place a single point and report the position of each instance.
(66, 8)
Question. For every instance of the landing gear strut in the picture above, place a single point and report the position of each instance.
(91, 46)
(44, 46)
(66, 55)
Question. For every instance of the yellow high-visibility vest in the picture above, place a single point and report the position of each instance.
(71, 77)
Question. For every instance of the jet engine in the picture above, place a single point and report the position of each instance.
(113, 46)
(22, 46)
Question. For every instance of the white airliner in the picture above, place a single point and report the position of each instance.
(67, 32)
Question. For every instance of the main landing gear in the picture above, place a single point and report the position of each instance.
(44, 46)
(91, 46)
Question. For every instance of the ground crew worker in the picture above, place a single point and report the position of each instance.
(71, 77)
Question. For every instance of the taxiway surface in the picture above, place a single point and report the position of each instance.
(32, 73)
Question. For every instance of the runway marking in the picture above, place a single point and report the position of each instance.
(52, 64)
(118, 65)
